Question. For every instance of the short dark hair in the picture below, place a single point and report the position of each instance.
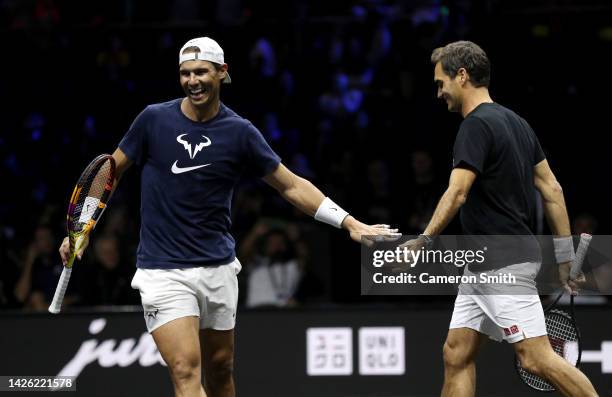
(467, 55)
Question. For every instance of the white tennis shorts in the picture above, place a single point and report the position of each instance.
(210, 293)
(503, 316)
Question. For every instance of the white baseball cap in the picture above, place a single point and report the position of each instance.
(210, 51)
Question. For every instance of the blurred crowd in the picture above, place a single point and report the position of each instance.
(341, 90)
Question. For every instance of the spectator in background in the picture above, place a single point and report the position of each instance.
(263, 77)
(248, 204)
(273, 268)
(379, 203)
(8, 269)
(105, 278)
(381, 43)
(263, 58)
(119, 224)
(40, 272)
(424, 192)
(343, 99)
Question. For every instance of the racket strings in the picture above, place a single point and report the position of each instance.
(563, 338)
(558, 345)
(91, 190)
(535, 381)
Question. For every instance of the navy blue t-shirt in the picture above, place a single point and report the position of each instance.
(189, 170)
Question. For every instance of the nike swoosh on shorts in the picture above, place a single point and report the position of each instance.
(179, 170)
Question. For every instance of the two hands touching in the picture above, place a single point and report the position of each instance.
(369, 234)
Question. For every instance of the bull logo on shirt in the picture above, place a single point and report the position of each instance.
(189, 147)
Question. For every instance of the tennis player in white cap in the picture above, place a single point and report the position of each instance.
(192, 151)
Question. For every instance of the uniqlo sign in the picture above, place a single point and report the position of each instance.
(329, 351)
(381, 351)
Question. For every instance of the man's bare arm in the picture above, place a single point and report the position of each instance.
(298, 191)
(307, 197)
(558, 220)
(552, 195)
(461, 180)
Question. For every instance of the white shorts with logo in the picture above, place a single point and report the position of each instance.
(503, 316)
(210, 293)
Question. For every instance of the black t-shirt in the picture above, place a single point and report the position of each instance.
(503, 149)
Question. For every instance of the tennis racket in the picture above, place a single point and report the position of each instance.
(86, 206)
(563, 333)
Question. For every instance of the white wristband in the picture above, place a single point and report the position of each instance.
(564, 249)
(330, 213)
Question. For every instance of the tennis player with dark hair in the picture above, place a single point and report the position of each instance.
(497, 166)
(192, 152)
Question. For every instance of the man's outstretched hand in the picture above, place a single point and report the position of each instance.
(369, 234)
(411, 245)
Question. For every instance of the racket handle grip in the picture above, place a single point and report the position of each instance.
(60, 291)
(583, 246)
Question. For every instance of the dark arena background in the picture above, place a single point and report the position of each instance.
(343, 91)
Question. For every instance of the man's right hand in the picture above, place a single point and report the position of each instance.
(64, 250)
(369, 234)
